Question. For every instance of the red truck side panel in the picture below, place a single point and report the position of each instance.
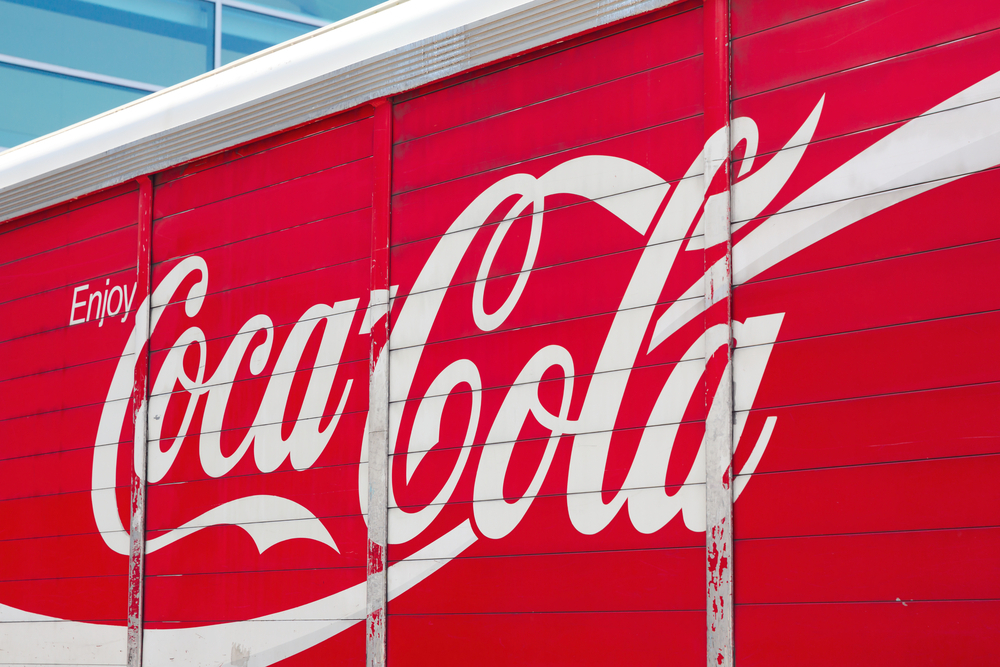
(537, 228)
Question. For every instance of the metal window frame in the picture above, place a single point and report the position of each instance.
(217, 36)
(261, 11)
(276, 13)
(78, 73)
(253, 9)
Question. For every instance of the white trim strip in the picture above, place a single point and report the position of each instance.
(397, 46)
(78, 73)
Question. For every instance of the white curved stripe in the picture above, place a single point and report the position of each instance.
(941, 146)
(275, 637)
(929, 150)
(27, 637)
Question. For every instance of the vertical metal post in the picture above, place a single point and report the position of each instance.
(378, 391)
(217, 36)
(718, 292)
(140, 388)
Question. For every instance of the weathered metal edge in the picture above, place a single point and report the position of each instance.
(719, 431)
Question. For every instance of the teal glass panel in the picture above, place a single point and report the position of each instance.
(328, 10)
(161, 42)
(36, 103)
(244, 32)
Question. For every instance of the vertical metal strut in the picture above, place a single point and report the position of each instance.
(378, 392)
(139, 402)
(719, 336)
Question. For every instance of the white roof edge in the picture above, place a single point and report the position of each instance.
(396, 46)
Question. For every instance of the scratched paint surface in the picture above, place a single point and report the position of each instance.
(551, 366)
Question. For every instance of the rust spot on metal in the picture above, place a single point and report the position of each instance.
(376, 557)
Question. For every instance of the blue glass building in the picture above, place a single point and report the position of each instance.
(62, 61)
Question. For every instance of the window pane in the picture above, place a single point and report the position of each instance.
(329, 10)
(244, 33)
(36, 103)
(153, 41)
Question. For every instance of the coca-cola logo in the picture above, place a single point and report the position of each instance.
(670, 236)
(661, 297)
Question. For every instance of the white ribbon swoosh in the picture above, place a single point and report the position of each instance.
(267, 519)
(928, 152)
(27, 637)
